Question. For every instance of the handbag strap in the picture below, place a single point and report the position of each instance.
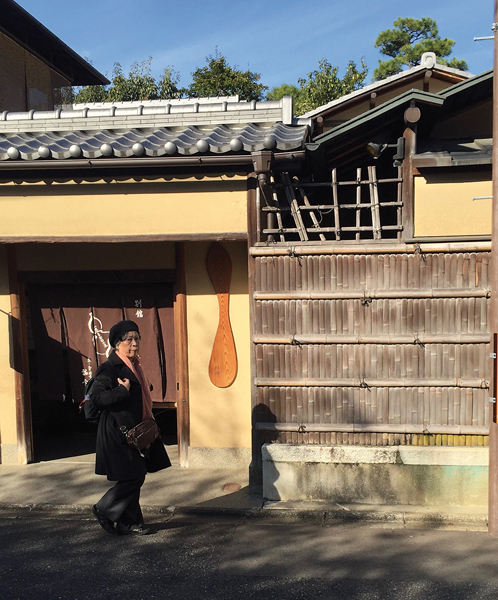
(122, 427)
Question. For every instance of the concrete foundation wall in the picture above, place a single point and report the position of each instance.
(376, 475)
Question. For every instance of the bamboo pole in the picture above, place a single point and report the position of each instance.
(419, 339)
(427, 430)
(313, 207)
(371, 248)
(375, 294)
(371, 383)
(271, 229)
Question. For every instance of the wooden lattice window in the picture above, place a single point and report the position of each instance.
(362, 209)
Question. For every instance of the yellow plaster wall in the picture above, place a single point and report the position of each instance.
(8, 436)
(96, 257)
(219, 417)
(124, 208)
(444, 205)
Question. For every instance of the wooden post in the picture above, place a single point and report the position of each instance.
(335, 202)
(408, 181)
(316, 222)
(181, 354)
(493, 317)
(294, 206)
(255, 469)
(374, 202)
(19, 344)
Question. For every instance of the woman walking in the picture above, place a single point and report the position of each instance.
(121, 392)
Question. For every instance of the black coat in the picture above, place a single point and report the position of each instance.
(115, 458)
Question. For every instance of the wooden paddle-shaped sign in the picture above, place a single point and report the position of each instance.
(223, 363)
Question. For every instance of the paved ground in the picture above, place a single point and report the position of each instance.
(70, 484)
(215, 540)
(45, 556)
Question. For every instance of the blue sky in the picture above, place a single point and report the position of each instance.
(280, 39)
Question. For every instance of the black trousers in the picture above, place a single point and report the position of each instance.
(121, 504)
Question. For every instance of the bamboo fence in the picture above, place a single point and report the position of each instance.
(374, 348)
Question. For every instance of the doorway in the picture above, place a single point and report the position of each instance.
(68, 327)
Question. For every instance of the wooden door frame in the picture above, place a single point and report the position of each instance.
(17, 282)
(181, 356)
(20, 361)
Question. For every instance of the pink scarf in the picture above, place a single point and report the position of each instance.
(136, 369)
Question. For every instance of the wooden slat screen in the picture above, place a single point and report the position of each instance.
(360, 209)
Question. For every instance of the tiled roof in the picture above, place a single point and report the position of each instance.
(154, 128)
(163, 141)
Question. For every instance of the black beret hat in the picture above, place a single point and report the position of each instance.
(118, 330)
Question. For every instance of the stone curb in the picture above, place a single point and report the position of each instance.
(477, 522)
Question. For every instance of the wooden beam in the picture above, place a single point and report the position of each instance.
(68, 277)
(181, 357)
(19, 344)
(103, 239)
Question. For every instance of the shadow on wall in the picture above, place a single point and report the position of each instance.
(306, 470)
(260, 414)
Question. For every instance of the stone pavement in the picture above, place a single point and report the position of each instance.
(70, 484)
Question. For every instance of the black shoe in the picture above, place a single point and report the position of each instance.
(104, 522)
(135, 531)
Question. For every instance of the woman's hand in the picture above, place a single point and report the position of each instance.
(125, 382)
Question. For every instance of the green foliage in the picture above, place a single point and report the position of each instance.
(323, 85)
(454, 63)
(286, 89)
(218, 78)
(138, 85)
(406, 43)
